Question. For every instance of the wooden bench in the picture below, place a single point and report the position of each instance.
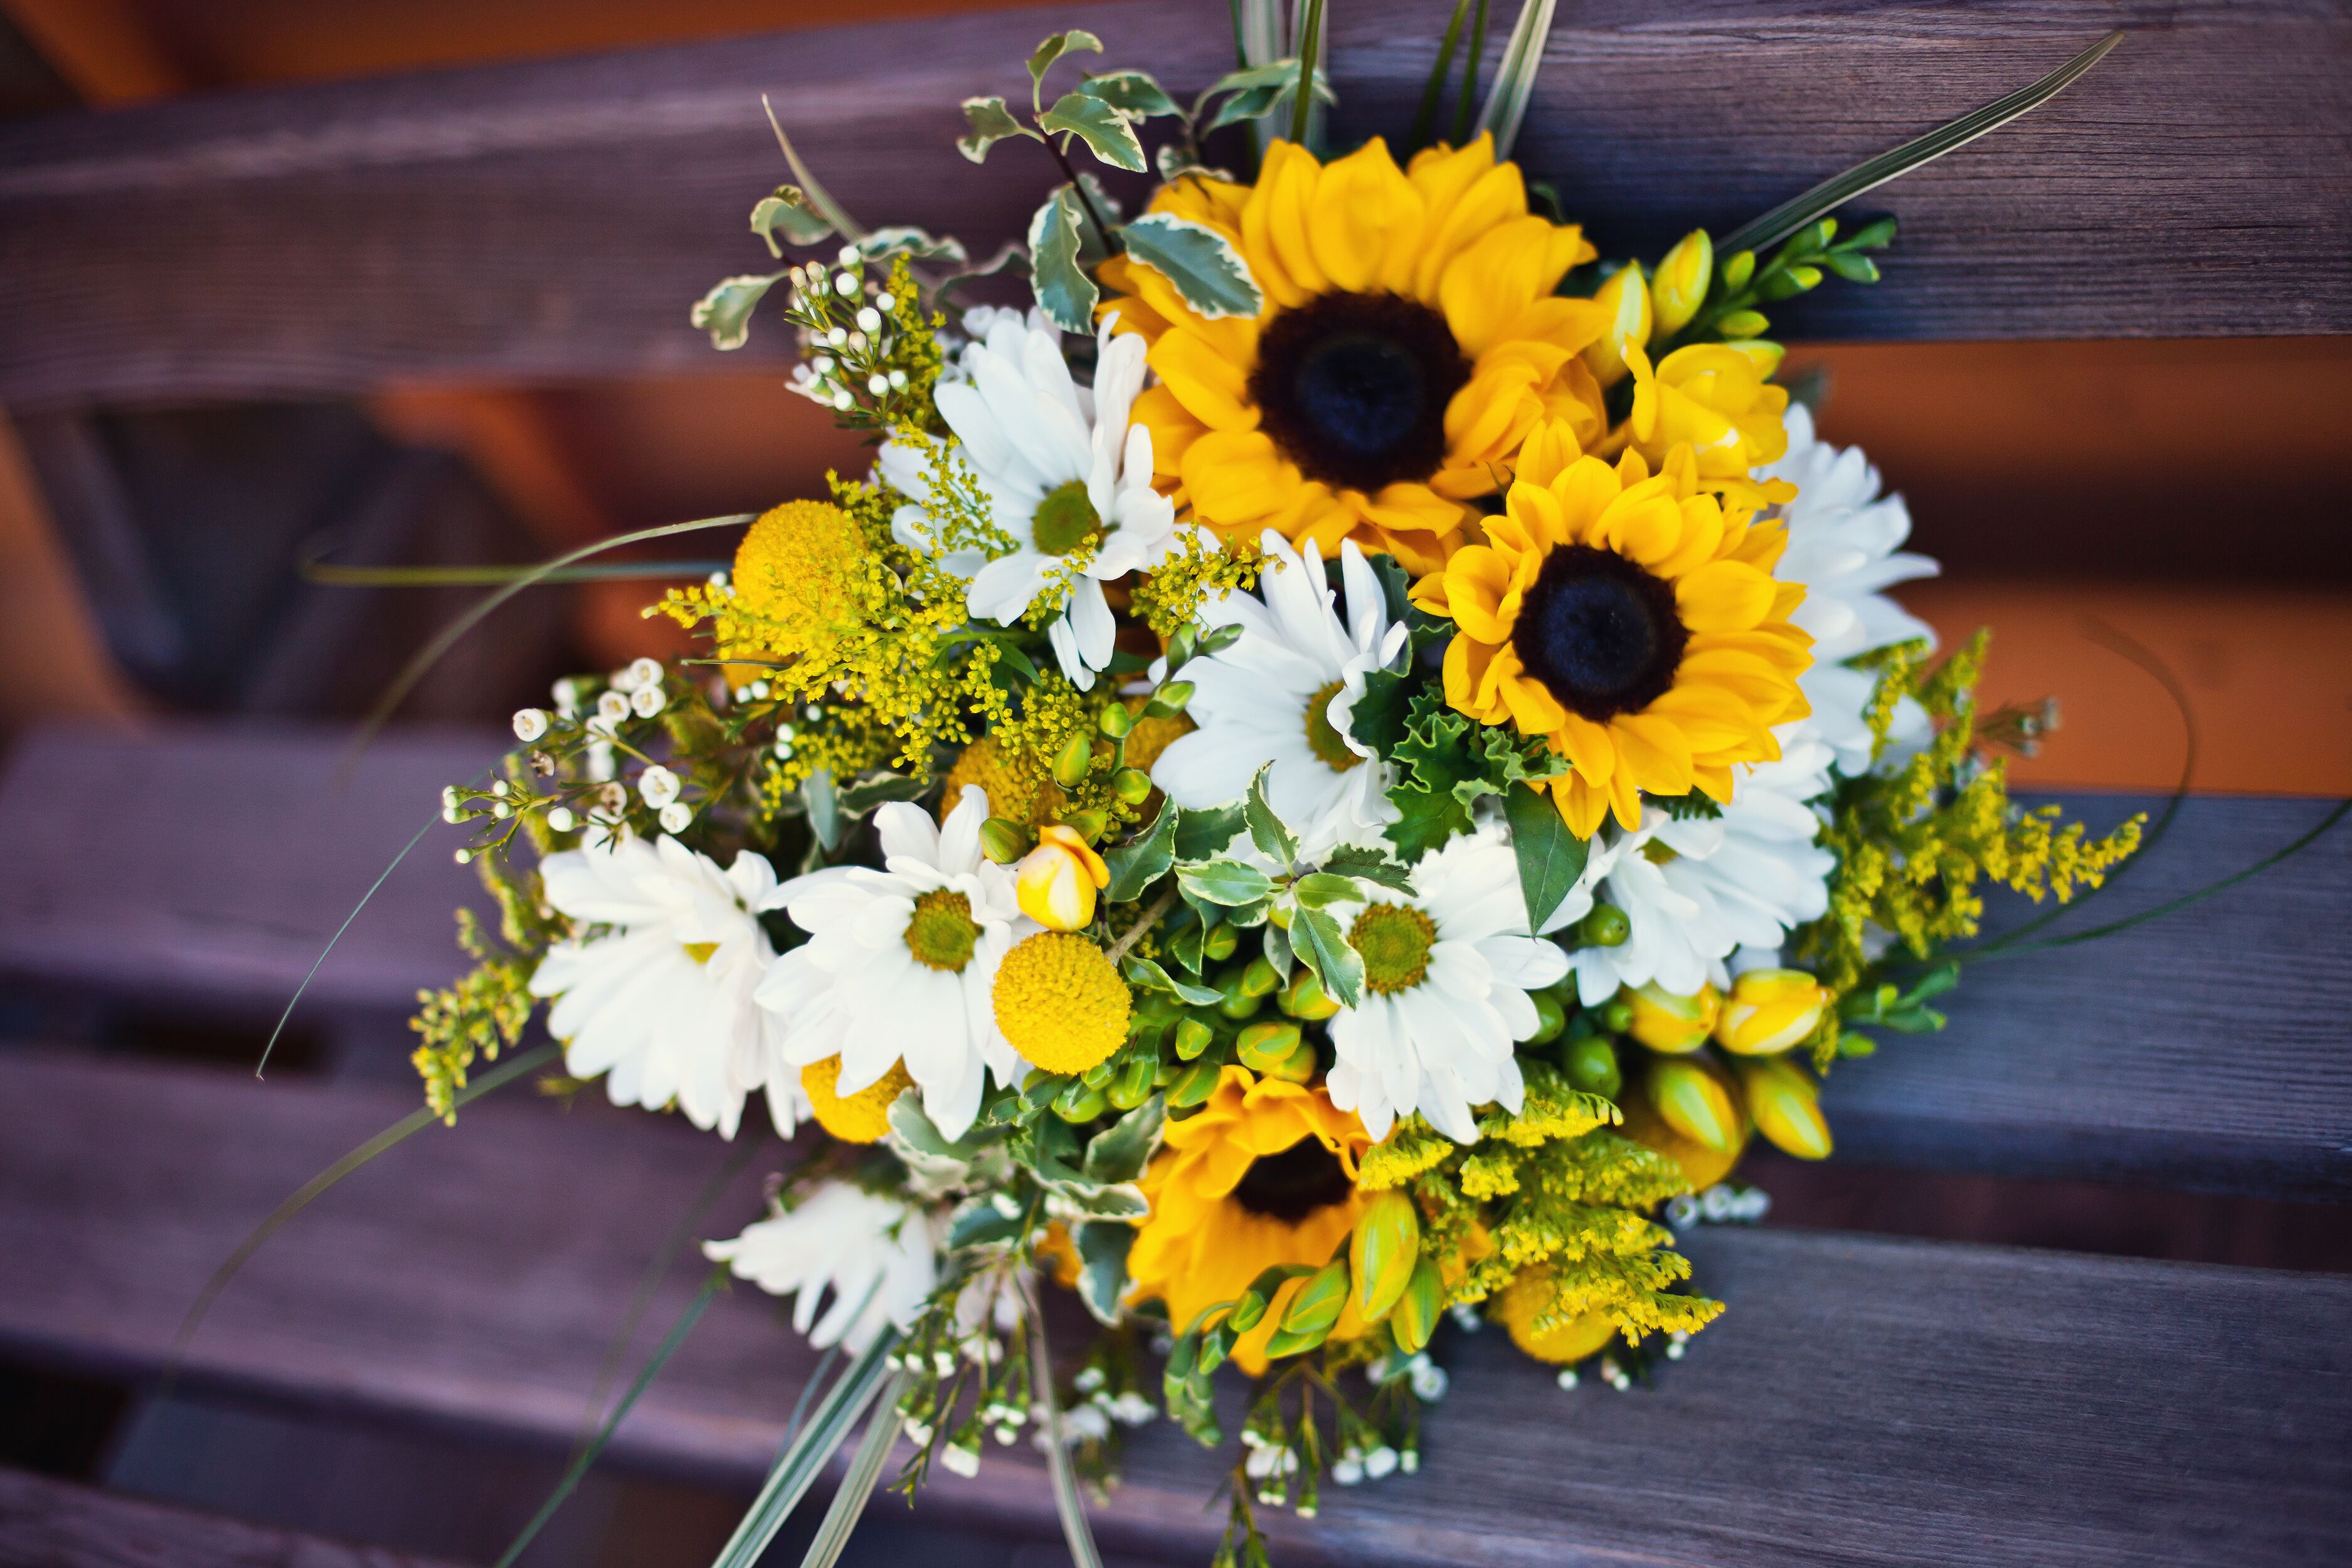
(1866, 1400)
(47, 1523)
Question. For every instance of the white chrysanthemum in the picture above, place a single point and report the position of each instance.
(662, 1005)
(899, 962)
(1844, 545)
(1285, 694)
(877, 1256)
(1066, 474)
(1696, 888)
(1446, 975)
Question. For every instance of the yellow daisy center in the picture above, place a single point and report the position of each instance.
(1064, 520)
(1394, 941)
(1660, 854)
(941, 935)
(1329, 747)
(1353, 388)
(700, 952)
(1294, 1183)
(860, 1118)
(1600, 633)
(1060, 1001)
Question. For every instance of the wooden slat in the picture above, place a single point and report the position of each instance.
(2207, 1049)
(228, 859)
(1862, 1402)
(49, 1523)
(554, 219)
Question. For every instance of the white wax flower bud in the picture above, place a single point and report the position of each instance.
(845, 284)
(464, 857)
(821, 364)
(559, 819)
(645, 672)
(567, 697)
(530, 723)
(885, 304)
(612, 707)
(849, 255)
(843, 401)
(600, 761)
(898, 378)
(837, 336)
(759, 688)
(964, 1462)
(646, 700)
(869, 320)
(658, 786)
(857, 341)
(676, 815)
(1380, 1461)
(879, 385)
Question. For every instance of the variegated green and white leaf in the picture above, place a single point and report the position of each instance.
(726, 311)
(1135, 94)
(1077, 40)
(790, 212)
(991, 122)
(1202, 263)
(1099, 125)
(1065, 293)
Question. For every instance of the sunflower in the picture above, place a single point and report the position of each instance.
(1264, 1173)
(1631, 620)
(1408, 342)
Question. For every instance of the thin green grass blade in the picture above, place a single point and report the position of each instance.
(819, 197)
(1310, 48)
(797, 1469)
(413, 1122)
(587, 1455)
(865, 1471)
(1836, 192)
(1076, 1531)
(1433, 92)
(657, 1269)
(1515, 78)
(1472, 59)
(328, 575)
(447, 637)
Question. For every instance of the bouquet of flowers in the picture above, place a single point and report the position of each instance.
(1347, 755)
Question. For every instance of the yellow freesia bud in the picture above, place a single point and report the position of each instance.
(1055, 882)
(1664, 1022)
(1679, 289)
(1769, 1010)
(1692, 1098)
(1625, 301)
(1787, 1107)
(1413, 1316)
(1382, 1252)
(1713, 398)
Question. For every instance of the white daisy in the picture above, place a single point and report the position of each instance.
(1285, 694)
(656, 991)
(1446, 976)
(899, 962)
(1694, 890)
(1843, 546)
(1065, 475)
(878, 1257)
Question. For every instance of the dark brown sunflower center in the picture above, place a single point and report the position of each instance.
(1292, 1184)
(1353, 388)
(1599, 633)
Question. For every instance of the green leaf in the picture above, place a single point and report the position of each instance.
(1120, 1151)
(1515, 78)
(1145, 972)
(1318, 940)
(789, 210)
(1273, 840)
(991, 122)
(1199, 262)
(1077, 40)
(1424, 821)
(1447, 761)
(910, 1124)
(1131, 92)
(1102, 1265)
(1378, 719)
(800, 1465)
(1836, 192)
(1227, 882)
(726, 311)
(1101, 127)
(1144, 858)
(877, 788)
(1551, 858)
(1065, 293)
(1367, 865)
(1123, 1200)
(1319, 888)
(824, 808)
(900, 239)
(979, 1223)
(1202, 833)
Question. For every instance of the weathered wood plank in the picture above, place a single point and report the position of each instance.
(49, 1523)
(2207, 1049)
(554, 219)
(1864, 1402)
(230, 857)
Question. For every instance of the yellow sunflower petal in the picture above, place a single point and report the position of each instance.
(1653, 749)
(1496, 196)
(1582, 804)
(1213, 388)
(1364, 221)
(1724, 596)
(1237, 477)
(1173, 429)
(1496, 277)
(1480, 594)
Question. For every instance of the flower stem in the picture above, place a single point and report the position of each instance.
(1160, 906)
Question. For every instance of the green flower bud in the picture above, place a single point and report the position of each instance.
(1591, 1065)
(1381, 1253)
(1087, 824)
(1317, 1306)
(1220, 942)
(1168, 700)
(1134, 1083)
(1744, 324)
(1739, 270)
(1132, 785)
(1787, 1108)
(1305, 998)
(1003, 841)
(1606, 926)
(1681, 283)
(1192, 1038)
(1551, 1018)
(1079, 1103)
(1618, 1016)
(1235, 1003)
(1260, 978)
(1414, 1316)
(1267, 1047)
(1072, 762)
(1694, 1102)
(1115, 721)
(1193, 1086)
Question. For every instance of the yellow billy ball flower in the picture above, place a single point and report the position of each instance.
(1055, 882)
(1664, 1022)
(1628, 618)
(860, 1118)
(1263, 1174)
(1060, 1003)
(1769, 1010)
(1531, 1296)
(1787, 1108)
(1017, 789)
(1408, 341)
(804, 566)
